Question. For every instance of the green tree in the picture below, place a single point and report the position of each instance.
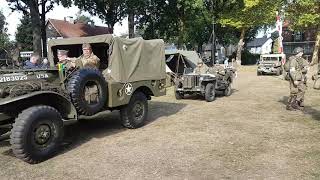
(4, 39)
(37, 9)
(110, 11)
(80, 18)
(305, 14)
(24, 34)
(250, 14)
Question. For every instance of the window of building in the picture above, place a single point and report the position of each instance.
(298, 36)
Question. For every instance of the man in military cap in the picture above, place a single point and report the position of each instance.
(298, 81)
(62, 56)
(200, 69)
(64, 59)
(88, 59)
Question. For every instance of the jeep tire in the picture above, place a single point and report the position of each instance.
(36, 134)
(228, 90)
(278, 72)
(134, 114)
(210, 92)
(79, 85)
(179, 95)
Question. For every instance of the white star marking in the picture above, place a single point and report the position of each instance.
(128, 89)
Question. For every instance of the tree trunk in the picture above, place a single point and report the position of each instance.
(315, 56)
(131, 24)
(240, 46)
(35, 21)
(43, 30)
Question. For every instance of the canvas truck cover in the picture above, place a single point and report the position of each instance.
(130, 60)
(137, 59)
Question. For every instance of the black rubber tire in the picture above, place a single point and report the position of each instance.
(278, 72)
(127, 112)
(210, 92)
(76, 87)
(179, 95)
(258, 74)
(228, 91)
(22, 138)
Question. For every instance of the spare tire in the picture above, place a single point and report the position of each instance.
(88, 90)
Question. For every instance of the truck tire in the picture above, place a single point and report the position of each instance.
(278, 73)
(228, 90)
(36, 134)
(179, 95)
(210, 92)
(79, 85)
(258, 73)
(134, 114)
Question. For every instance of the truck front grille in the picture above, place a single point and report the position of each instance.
(190, 81)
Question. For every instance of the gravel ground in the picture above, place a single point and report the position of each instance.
(248, 135)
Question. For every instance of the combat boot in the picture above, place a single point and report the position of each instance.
(301, 103)
(290, 108)
(289, 104)
(295, 105)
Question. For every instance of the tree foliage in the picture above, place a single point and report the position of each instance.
(37, 9)
(304, 14)
(80, 18)
(24, 34)
(4, 39)
(250, 14)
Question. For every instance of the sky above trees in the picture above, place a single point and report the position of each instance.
(59, 12)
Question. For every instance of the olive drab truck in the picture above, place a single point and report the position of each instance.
(36, 104)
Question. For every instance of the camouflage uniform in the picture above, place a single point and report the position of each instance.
(298, 82)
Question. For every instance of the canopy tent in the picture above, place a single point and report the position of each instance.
(178, 60)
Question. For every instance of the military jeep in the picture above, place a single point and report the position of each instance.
(183, 63)
(271, 64)
(36, 104)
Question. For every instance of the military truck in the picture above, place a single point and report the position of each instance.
(271, 64)
(36, 104)
(183, 63)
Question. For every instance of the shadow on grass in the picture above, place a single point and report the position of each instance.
(200, 97)
(105, 124)
(309, 110)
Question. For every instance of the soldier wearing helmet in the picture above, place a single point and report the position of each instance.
(298, 81)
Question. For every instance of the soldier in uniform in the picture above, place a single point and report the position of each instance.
(88, 59)
(200, 69)
(298, 81)
(64, 59)
(62, 56)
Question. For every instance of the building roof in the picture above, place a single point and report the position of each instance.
(258, 42)
(67, 29)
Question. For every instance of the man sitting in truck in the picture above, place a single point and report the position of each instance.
(201, 69)
(33, 62)
(87, 59)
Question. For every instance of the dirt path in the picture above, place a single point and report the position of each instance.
(248, 135)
